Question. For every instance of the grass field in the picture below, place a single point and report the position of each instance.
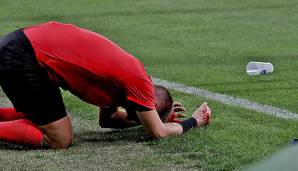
(202, 43)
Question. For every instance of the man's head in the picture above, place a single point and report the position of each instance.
(164, 102)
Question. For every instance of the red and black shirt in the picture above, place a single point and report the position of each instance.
(90, 66)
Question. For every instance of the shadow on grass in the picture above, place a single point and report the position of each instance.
(115, 135)
(105, 137)
(9, 146)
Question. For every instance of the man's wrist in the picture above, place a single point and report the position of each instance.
(197, 120)
(189, 124)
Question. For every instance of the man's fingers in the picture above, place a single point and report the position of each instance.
(179, 109)
(175, 104)
(173, 117)
(180, 115)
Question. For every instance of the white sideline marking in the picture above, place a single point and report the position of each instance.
(225, 99)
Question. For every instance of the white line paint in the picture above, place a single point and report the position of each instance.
(225, 99)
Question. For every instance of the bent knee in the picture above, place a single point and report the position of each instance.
(59, 143)
(58, 134)
(62, 144)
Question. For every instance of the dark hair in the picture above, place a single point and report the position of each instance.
(164, 101)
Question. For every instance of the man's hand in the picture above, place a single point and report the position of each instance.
(176, 107)
(202, 114)
(115, 118)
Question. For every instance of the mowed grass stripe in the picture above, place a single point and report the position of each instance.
(229, 100)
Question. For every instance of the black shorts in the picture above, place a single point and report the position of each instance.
(26, 83)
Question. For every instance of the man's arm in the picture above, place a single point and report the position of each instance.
(154, 126)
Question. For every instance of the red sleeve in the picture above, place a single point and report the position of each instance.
(140, 91)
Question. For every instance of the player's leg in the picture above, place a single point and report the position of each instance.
(21, 132)
(43, 107)
(9, 114)
(31, 92)
(46, 109)
(10, 59)
(58, 134)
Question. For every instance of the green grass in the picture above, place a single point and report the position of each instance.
(203, 43)
(211, 41)
(235, 138)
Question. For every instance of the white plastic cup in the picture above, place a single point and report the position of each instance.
(259, 68)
